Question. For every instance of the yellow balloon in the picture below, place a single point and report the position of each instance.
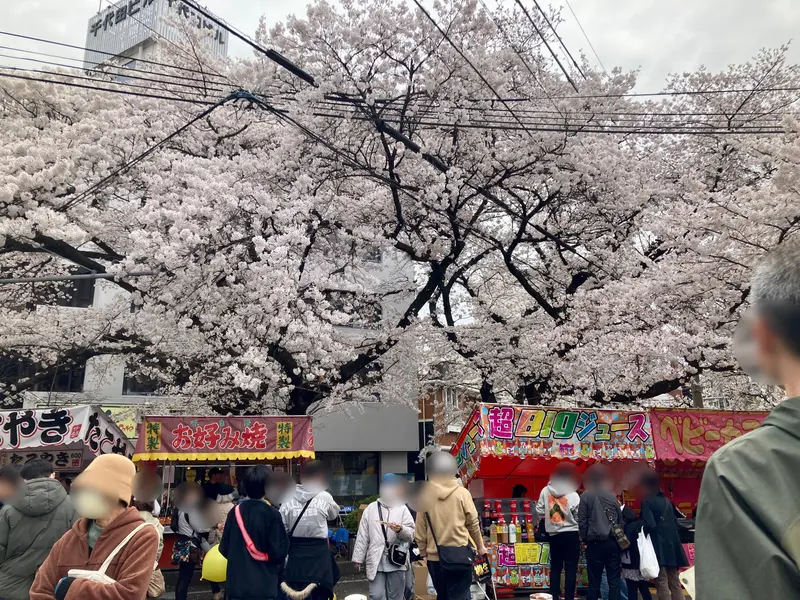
(215, 566)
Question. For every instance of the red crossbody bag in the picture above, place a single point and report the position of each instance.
(255, 553)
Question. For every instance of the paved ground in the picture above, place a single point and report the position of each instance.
(351, 583)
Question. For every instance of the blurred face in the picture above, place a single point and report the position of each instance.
(91, 504)
(316, 482)
(759, 351)
(7, 490)
(191, 499)
(393, 493)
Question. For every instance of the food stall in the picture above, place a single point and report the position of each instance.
(684, 440)
(502, 446)
(69, 437)
(183, 447)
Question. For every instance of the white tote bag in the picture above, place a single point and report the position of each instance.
(100, 576)
(648, 561)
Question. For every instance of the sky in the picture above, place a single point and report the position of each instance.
(658, 37)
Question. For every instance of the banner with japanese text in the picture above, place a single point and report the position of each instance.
(224, 438)
(61, 427)
(681, 435)
(567, 433)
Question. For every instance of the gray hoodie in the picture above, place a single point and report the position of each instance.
(558, 506)
(314, 523)
(29, 527)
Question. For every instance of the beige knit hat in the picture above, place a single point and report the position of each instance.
(111, 475)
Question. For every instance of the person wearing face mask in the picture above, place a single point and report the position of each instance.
(310, 569)
(385, 523)
(29, 527)
(101, 495)
(747, 537)
(558, 506)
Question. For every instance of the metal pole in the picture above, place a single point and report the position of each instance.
(49, 278)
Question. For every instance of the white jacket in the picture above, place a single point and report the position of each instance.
(314, 523)
(370, 543)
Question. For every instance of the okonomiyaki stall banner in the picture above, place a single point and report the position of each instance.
(524, 431)
(59, 435)
(697, 434)
(224, 438)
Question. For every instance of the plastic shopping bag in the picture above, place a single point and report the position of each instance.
(430, 589)
(648, 565)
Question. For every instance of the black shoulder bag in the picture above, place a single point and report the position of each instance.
(452, 559)
(616, 529)
(396, 555)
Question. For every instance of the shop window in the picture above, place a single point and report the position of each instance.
(63, 380)
(354, 475)
(451, 400)
(138, 385)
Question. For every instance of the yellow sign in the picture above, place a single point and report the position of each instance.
(126, 419)
(528, 554)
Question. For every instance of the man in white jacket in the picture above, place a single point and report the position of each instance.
(558, 506)
(385, 523)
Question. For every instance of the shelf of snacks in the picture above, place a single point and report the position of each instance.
(517, 559)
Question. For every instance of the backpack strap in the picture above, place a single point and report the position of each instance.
(433, 532)
(300, 516)
(383, 527)
(122, 544)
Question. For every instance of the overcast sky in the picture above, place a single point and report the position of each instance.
(656, 36)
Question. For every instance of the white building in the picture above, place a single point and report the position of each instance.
(133, 28)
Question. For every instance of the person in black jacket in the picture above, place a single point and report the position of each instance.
(659, 516)
(598, 510)
(248, 578)
(631, 561)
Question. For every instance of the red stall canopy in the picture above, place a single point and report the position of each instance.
(224, 438)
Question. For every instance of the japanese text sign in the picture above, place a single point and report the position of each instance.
(64, 426)
(174, 438)
(62, 460)
(697, 434)
(567, 434)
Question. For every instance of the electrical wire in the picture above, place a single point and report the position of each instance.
(577, 20)
(110, 54)
(558, 37)
(101, 89)
(468, 61)
(81, 77)
(140, 157)
(547, 44)
(125, 75)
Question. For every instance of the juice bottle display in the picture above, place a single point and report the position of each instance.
(512, 531)
(493, 531)
(523, 531)
(502, 531)
(529, 527)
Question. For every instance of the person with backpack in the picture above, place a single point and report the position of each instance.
(659, 516)
(30, 525)
(447, 522)
(383, 540)
(311, 570)
(254, 541)
(109, 553)
(190, 522)
(599, 517)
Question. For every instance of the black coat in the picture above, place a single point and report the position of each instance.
(660, 521)
(249, 579)
(630, 557)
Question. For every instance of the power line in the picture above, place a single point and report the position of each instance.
(547, 44)
(79, 277)
(140, 157)
(102, 89)
(469, 62)
(273, 55)
(111, 54)
(102, 68)
(558, 37)
(597, 56)
(125, 75)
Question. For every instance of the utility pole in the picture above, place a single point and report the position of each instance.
(697, 392)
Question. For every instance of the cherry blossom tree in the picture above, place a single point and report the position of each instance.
(543, 242)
